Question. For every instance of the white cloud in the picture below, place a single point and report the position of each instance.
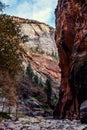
(24, 9)
(43, 15)
(41, 10)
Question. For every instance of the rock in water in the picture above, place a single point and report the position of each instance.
(71, 39)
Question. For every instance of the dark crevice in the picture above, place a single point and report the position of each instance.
(81, 81)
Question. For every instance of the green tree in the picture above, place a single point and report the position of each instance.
(40, 82)
(2, 6)
(10, 59)
(31, 75)
(54, 55)
(30, 72)
(36, 80)
(48, 90)
(10, 50)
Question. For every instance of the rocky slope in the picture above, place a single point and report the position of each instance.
(71, 39)
(44, 67)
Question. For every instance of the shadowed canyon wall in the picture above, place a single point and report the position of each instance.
(71, 40)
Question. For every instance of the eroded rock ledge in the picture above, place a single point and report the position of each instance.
(71, 40)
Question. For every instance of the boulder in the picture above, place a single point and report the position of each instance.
(83, 112)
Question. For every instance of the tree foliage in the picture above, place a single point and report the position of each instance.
(30, 72)
(2, 6)
(48, 90)
(7, 89)
(10, 50)
(36, 79)
(10, 59)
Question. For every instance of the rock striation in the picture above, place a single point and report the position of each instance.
(44, 67)
(39, 50)
(41, 53)
(38, 35)
(71, 40)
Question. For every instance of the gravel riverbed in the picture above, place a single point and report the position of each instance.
(40, 123)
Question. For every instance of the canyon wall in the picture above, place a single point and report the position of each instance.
(38, 35)
(41, 49)
(71, 40)
(37, 86)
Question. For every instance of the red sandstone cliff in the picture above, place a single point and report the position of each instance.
(71, 40)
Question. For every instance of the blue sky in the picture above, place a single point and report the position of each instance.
(41, 10)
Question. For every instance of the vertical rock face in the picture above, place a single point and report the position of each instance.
(39, 35)
(71, 40)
